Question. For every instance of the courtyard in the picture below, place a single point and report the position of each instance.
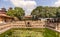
(30, 32)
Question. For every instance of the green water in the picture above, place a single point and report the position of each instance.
(30, 32)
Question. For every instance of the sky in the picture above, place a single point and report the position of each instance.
(28, 5)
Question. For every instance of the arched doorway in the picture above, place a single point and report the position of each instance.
(28, 24)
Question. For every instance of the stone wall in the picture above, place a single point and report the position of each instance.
(53, 25)
(30, 24)
(5, 27)
(22, 24)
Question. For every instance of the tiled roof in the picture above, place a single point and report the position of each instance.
(2, 12)
(4, 15)
(28, 16)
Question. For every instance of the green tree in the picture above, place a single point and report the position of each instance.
(19, 12)
(16, 12)
(11, 12)
(58, 12)
(45, 12)
(50, 12)
(37, 11)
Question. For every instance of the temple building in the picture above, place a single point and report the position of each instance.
(3, 17)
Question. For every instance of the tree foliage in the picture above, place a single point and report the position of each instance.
(19, 11)
(16, 12)
(46, 12)
(10, 12)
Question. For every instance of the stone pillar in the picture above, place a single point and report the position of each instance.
(57, 26)
(1, 20)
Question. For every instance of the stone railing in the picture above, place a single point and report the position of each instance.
(5, 27)
(21, 24)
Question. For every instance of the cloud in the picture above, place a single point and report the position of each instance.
(28, 6)
(57, 3)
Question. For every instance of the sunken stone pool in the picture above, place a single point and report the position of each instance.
(30, 32)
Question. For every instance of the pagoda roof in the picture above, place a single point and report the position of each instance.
(4, 15)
